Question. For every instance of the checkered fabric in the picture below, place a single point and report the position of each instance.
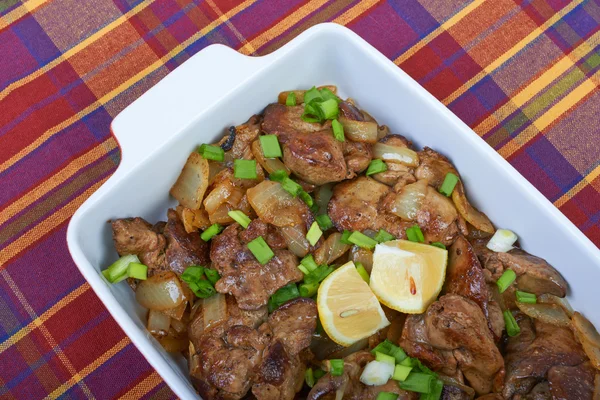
(523, 73)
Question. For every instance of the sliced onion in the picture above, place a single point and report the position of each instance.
(475, 217)
(219, 195)
(295, 237)
(549, 313)
(377, 373)
(331, 249)
(193, 219)
(363, 256)
(192, 182)
(158, 323)
(269, 164)
(323, 196)
(221, 215)
(177, 312)
(178, 326)
(409, 201)
(174, 344)
(214, 310)
(585, 330)
(274, 205)
(502, 241)
(161, 291)
(360, 131)
(548, 298)
(382, 131)
(389, 153)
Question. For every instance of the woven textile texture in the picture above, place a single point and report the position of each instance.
(523, 74)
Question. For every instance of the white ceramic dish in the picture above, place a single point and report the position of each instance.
(218, 87)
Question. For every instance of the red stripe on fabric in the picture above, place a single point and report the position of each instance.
(24, 97)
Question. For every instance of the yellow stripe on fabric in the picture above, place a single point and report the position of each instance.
(439, 30)
(19, 12)
(351, 14)
(36, 232)
(45, 332)
(544, 120)
(125, 85)
(587, 180)
(537, 32)
(75, 49)
(142, 388)
(89, 368)
(57, 179)
(539, 84)
(39, 321)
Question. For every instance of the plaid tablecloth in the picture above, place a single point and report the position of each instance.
(523, 74)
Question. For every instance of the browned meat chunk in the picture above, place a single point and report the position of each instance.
(243, 276)
(357, 155)
(280, 375)
(350, 111)
(136, 236)
(360, 204)
(245, 134)
(531, 354)
(183, 249)
(433, 167)
(285, 121)
(572, 383)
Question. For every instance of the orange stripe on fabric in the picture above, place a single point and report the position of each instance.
(439, 30)
(351, 14)
(587, 180)
(537, 32)
(142, 388)
(38, 231)
(45, 332)
(125, 85)
(89, 368)
(75, 49)
(19, 12)
(39, 321)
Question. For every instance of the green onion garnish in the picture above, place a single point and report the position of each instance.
(306, 198)
(436, 391)
(261, 250)
(244, 169)
(137, 271)
(449, 183)
(283, 295)
(211, 231)
(308, 289)
(418, 382)
(401, 372)
(309, 263)
(239, 217)
(384, 236)
(338, 130)
(212, 275)
(314, 234)
(387, 347)
(291, 101)
(507, 278)
(384, 358)
(303, 269)
(376, 166)
(211, 152)
(524, 297)
(318, 274)
(117, 271)
(278, 175)
(362, 272)
(407, 362)
(288, 185)
(202, 289)
(319, 373)
(324, 222)
(192, 273)
(362, 240)
(439, 244)
(327, 109)
(309, 376)
(312, 94)
(414, 234)
(337, 367)
(327, 94)
(345, 235)
(512, 328)
(270, 146)
(386, 396)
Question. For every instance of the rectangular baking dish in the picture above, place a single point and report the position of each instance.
(219, 87)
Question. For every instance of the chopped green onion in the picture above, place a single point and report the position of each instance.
(305, 197)
(328, 109)
(137, 271)
(401, 372)
(376, 166)
(384, 236)
(303, 269)
(387, 347)
(337, 367)
(283, 295)
(524, 297)
(512, 327)
(309, 263)
(314, 208)
(270, 146)
(308, 289)
(261, 250)
(507, 278)
(436, 391)
(212, 275)
(239, 217)
(211, 231)
(309, 376)
(319, 373)
(211, 152)
(448, 185)
(386, 396)
(338, 130)
(291, 101)
(312, 94)
(324, 221)
(288, 185)
(438, 244)
(362, 272)
(384, 358)
(314, 234)
(418, 382)
(244, 169)
(345, 235)
(362, 240)
(202, 289)
(117, 271)
(278, 175)
(192, 273)
(414, 234)
(327, 94)
(408, 362)
(318, 274)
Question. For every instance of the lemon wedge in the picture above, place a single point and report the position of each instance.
(408, 276)
(348, 309)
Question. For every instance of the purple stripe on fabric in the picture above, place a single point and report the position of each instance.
(415, 15)
(553, 163)
(261, 15)
(36, 40)
(16, 61)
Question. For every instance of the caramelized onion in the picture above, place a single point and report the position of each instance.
(331, 249)
(588, 336)
(363, 256)
(173, 344)
(177, 312)
(269, 164)
(547, 298)
(214, 310)
(219, 195)
(322, 197)
(178, 326)
(549, 313)
(475, 217)
(161, 292)
(193, 219)
(192, 182)
(408, 202)
(402, 155)
(221, 215)
(274, 205)
(158, 323)
(360, 131)
(295, 237)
